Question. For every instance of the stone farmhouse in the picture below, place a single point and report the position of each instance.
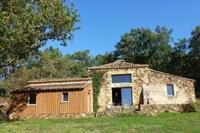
(135, 84)
(123, 85)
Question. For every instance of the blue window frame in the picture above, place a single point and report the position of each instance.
(170, 90)
(125, 78)
(65, 97)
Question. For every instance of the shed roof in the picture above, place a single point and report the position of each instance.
(55, 85)
(118, 64)
(59, 80)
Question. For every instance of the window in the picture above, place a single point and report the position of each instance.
(125, 78)
(32, 99)
(170, 90)
(65, 97)
(122, 96)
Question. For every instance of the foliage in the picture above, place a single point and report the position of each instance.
(25, 26)
(5, 87)
(197, 105)
(162, 123)
(82, 60)
(194, 57)
(106, 58)
(192, 106)
(143, 46)
(179, 64)
(49, 64)
(97, 78)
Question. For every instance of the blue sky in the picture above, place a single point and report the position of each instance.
(104, 21)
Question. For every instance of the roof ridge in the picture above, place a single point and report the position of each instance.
(118, 64)
(172, 75)
(58, 80)
(53, 87)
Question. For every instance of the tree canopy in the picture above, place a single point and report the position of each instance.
(194, 57)
(25, 26)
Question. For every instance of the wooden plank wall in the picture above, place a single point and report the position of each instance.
(80, 101)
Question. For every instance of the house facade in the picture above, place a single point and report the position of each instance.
(127, 84)
(123, 85)
(52, 99)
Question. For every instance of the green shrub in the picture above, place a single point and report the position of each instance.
(192, 107)
(197, 105)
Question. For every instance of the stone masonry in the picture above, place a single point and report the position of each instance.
(148, 86)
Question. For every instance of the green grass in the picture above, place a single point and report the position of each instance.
(162, 123)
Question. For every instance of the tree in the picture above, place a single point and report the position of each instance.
(195, 57)
(134, 46)
(144, 46)
(25, 26)
(108, 57)
(83, 60)
(179, 63)
(160, 52)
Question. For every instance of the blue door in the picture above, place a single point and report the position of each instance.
(126, 96)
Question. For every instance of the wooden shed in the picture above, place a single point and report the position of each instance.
(52, 98)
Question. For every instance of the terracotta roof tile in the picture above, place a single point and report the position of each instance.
(118, 64)
(59, 80)
(55, 84)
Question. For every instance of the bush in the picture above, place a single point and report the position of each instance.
(197, 105)
(192, 107)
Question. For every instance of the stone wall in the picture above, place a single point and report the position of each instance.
(149, 84)
(155, 91)
(50, 116)
(154, 109)
(139, 77)
(116, 110)
(147, 110)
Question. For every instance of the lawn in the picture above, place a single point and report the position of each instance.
(166, 122)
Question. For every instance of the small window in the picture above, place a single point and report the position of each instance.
(170, 90)
(65, 97)
(32, 99)
(125, 78)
